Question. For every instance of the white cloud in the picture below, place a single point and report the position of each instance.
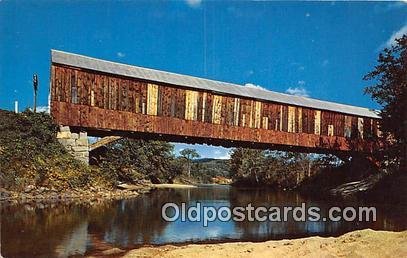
(221, 154)
(206, 151)
(299, 66)
(390, 6)
(396, 35)
(301, 83)
(225, 156)
(121, 54)
(297, 91)
(307, 15)
(251, 85)
(45, 109)
(396, 5)
(193, 3)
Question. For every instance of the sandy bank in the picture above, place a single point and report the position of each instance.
(361, 243)
(173, 186)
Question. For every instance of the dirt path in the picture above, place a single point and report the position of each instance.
(362, 243)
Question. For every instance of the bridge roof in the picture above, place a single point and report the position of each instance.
(148, 74)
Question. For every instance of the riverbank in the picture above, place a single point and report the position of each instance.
(36, 168)
(43, 195)
(360, 243)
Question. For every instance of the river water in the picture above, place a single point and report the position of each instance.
(75, 229)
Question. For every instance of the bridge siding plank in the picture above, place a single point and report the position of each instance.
(317, 122)
(217, 109)
(291, 119)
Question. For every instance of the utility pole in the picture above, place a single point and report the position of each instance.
(35, 85)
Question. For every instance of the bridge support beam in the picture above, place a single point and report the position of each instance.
(76, 143)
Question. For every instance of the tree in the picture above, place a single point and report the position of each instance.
(130, 160)
(273, 168)
(246, 164)
(390, 91)
(189, 155)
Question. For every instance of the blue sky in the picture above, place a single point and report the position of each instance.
(319, 49)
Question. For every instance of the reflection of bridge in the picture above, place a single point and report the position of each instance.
(105, 98)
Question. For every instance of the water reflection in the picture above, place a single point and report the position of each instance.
(64, 230)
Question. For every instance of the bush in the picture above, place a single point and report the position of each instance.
(30, 154)
(132, 160)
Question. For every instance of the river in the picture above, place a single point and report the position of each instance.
(77, 229)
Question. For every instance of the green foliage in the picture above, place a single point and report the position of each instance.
(31, 154)
(247, 164)
(390, 91)
(27, 134)
(276, 168)
(203, 170)
(330, 173)
(189, 155)
(131, 160)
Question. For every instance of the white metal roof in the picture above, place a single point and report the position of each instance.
(90, 63)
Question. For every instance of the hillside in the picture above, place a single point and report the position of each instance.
(31, 156)
(205, 169)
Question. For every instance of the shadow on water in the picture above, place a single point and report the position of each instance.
(63, 230)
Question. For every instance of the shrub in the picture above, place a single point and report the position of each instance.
(31, 154)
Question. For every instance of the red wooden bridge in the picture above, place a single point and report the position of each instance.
(105, 98)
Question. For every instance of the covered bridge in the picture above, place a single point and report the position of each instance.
(105, 98)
